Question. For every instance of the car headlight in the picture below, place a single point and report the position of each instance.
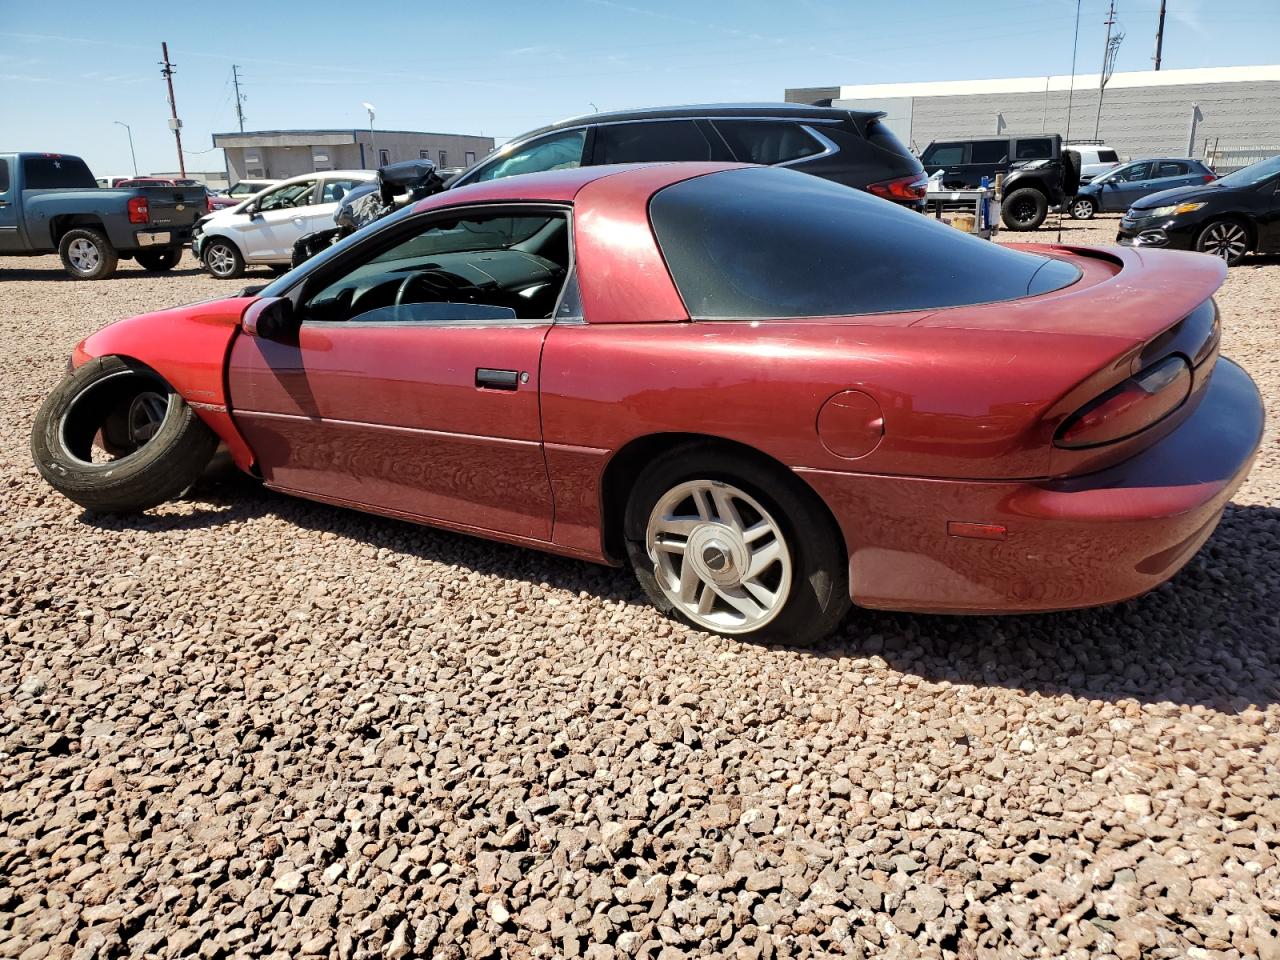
(1174, 210)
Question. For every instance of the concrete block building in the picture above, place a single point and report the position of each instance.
(1144, 113)
(277, 154)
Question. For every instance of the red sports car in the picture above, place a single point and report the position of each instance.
(770, 394)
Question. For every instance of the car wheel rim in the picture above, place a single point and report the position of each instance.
(146, 415)
(220, 260)
(1024, 211)
(83, 425)
(1083, 210)
(84, 255)
(719, 556)
(1226, 240)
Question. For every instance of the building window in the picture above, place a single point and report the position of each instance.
(471, 157)
(444, 158)
(424, 154)
(384, 157)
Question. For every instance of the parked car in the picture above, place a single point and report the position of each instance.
(151, 182)
(1095, 159)
(853, 147)
(766, 408)
(50, 202)
(263, 229)
(1039, 174)
(1116, 191)
(220, 200)
(1228, 217)
(244, 189)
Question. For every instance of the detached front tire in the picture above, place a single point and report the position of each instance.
(736, 546)
(115, 438)
(87, 254)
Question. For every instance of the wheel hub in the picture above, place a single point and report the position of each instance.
(717, 553)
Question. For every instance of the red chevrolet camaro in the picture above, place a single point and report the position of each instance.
(768, 393)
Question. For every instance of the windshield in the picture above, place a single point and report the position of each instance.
(1251, 176)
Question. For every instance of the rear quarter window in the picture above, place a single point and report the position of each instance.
(1035, 148)
(767, 141)
(1108, 156)
(776, 243)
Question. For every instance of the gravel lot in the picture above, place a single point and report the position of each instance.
(248, 725)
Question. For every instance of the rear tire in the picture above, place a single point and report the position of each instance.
(1024, 209)
(87, 254)
(1082, 208)
(223, 259)
(1227, 239)
(159, 261)
(785, 581)
(160, 447)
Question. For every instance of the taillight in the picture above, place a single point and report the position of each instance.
(208, 204)
(911, 187)
(1140, 402)
(1210, 177)
(138, 210)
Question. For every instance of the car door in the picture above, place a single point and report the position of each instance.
(1125, 186)
(949, 157)
(411, 386)
(1268, 218)
(10, 237)
(279, 219)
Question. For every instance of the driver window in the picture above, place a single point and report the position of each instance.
(293, 195)
(481, 268)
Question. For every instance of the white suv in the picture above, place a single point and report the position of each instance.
(1095, 159)
(263, 229)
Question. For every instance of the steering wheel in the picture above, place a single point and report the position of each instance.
(437, 284)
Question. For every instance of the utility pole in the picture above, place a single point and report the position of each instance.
(240, 97)
(1159, 35)
(1109, 51)
(174, 123)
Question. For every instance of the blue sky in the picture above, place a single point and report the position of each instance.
(505, 66)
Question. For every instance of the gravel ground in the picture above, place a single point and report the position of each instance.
(248, 725)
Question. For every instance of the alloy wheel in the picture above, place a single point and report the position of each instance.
(1082, 209)
(719, 556)
(84, 255)
(1227, 240)
(220, 260)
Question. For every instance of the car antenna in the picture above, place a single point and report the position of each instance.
(1071, 90)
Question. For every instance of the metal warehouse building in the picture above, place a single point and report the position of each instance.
(1150, 112)
(277, 154)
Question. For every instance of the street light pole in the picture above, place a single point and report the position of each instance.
(132, 155)
(373, 140)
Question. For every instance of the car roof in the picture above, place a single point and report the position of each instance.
(771, 111)
(561, 186)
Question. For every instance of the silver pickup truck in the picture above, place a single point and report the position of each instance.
(50, 202)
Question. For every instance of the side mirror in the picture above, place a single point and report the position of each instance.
(271, 318)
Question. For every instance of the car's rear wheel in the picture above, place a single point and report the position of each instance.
(87, 254)
(159, 261)
(714, 537)
(223, 259)
(115, 438)
(1024, 209)
(1082, 208)
(1228, 239)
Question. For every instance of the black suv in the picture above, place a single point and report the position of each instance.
(853, 147)
(1039, 174)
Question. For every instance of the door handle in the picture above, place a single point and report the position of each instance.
(490, 379)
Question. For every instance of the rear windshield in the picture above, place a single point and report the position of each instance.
(775, 243)
(56, 173)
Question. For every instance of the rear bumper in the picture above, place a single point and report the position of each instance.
(1076, 542)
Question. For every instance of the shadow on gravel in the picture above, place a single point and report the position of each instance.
(1211, 636)
(127, 272)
